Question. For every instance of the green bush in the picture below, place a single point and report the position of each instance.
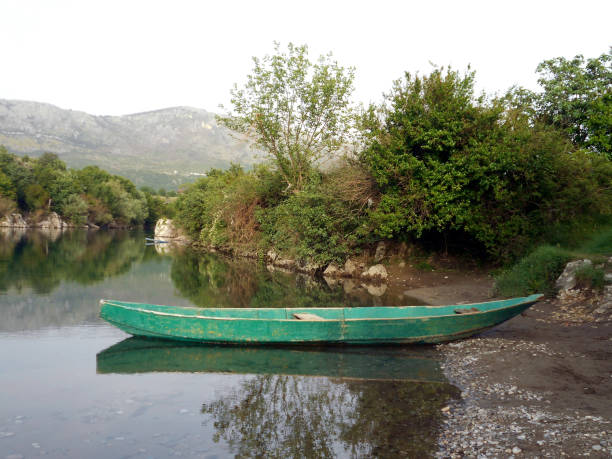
(75, 209)
(449, 163)
(588, 276)
(219, 209)
(536, 273)
(311, 225)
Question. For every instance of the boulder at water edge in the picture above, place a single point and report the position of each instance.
(567, 279)
(376, 272)
(164, 228)
(13, 221)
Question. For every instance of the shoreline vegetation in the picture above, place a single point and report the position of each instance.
(43, 193)
(433, 168)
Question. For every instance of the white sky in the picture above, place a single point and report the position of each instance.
(117, 57)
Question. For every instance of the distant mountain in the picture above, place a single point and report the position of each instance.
(162, 148)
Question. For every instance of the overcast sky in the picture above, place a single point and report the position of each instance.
(117, 57)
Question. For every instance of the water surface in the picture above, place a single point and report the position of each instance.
(74, 386)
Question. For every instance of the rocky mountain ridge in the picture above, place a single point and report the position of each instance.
(158, 148)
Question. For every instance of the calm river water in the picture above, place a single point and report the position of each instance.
(71, 385)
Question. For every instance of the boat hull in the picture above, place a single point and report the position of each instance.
(376, 325)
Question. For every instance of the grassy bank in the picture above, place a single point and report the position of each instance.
(538, 271)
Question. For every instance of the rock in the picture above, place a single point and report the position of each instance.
(53, 221)
(331, 281)
(164, 228)
(567, 279)
(272, 268)
(516, 450)
(286, 263)
(350, 267)
(608, 278)
(13, 221)
(349, 286)
(378, 272)
(381, 250)
(375, 290)
(332, 270)
(308, 267)
(271, 255)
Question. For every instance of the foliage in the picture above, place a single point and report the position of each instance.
(312, 225)
(535, 273)
(157, 208)
(86, 195)
(577, 98)
(7, 188)
(447, 162)
(36, 197)
(297, 112)
(75, 209)
(7, 206)
(588, 276)
(220, 208)
(600, 243)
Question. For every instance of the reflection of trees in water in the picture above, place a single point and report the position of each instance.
(42, 263)
(211, 281)
(282, 416)
(291, 416)
(397, 418)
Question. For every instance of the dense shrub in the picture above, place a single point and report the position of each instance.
(75, 209)
(220, 208)
(447, 162)
(324, 222)
(588, 276)
(311, 225)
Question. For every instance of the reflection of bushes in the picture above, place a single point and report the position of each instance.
(210, 281)
(38, 262)
(396, 418)
(290, 416)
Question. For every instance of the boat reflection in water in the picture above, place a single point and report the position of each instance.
(139, 355)
(308, 401)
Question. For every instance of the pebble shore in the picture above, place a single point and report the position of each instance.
(500, 419)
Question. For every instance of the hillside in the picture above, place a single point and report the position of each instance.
(161, 148)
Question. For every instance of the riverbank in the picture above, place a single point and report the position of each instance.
(538, 385)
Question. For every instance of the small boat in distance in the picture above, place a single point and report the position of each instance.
(359, 325)
(156, 241)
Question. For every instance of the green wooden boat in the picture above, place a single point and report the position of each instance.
(140, 355)
(362, 325)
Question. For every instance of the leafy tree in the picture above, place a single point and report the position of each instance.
(74, 208)
(297, 112)
(7, 188)
(453, 165)
(36, 197)
(577, 98)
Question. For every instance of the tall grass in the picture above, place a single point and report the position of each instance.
(536, 273)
